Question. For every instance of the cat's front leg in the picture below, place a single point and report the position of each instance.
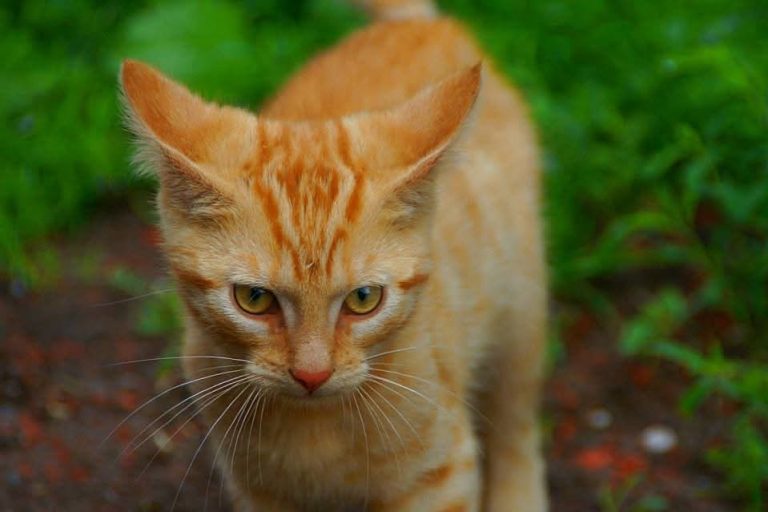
(514, 477)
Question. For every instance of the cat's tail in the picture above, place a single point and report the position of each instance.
(399, 9)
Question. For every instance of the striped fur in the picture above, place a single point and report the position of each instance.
(392, 159)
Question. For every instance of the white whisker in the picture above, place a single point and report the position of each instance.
(439, 386)
(200, 447)
(397, 350)
(381, 428)
(145, 404)
(131, 299)
(406, 388)
(211, 397)
(175, 358)
(134, 445)
(208, 399)
(400, 414)
(258, 441)
(223, 442)
(367, 451)
(259, 399)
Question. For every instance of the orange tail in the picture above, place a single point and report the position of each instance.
(399, 9)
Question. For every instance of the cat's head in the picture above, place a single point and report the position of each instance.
(301, 247)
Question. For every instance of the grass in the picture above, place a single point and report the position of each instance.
(654, 117)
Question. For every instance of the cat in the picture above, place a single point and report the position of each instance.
(362, 271)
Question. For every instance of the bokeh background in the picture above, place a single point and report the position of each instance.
(654, 121)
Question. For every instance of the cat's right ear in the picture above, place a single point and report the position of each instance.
(184, 140)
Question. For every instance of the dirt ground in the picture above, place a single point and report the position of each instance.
(60, 396)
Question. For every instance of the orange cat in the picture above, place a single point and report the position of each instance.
(362, 266)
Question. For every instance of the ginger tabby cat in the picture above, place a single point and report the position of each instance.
(362, 269)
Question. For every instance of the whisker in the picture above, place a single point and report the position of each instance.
(200, 447)
(344, 398)
(217, 367)
(367, 450)
(397, 350)
(377, 364)
(400, 414)
(208, 400)
(407, 388)
(223, 442)
(404, 397)
(131, 299)
(258, 441)
(380, 426)
(389, 382)
(442, 387)
(200, 395)
(366, 399)
(145, 404)
(250, 437)
(172, 358)
(251, 411)
(252, 399)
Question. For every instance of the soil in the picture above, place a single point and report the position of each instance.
(61, 396)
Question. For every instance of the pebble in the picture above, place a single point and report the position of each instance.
(658, 439)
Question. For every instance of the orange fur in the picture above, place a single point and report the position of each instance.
(394, 160)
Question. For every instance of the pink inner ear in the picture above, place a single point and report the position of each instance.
(414, 134)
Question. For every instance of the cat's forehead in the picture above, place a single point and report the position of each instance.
(310, 191)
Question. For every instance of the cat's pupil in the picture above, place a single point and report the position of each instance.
(363, 293)
(256, 294)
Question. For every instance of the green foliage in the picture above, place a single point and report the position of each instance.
(654, 116)
(619, 498)
(744, 462)
(160, 315)
(62, 147)
(160, 312)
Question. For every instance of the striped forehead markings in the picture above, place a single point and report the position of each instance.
(311, 188)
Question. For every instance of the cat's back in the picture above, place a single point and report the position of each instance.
(375, 68)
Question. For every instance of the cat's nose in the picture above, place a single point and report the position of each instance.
(310, 380)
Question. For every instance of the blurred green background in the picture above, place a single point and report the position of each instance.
(653, 116)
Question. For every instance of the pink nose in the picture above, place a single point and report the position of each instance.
(311, 380)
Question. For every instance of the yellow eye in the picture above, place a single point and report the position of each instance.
(254, 300)
(364, 299)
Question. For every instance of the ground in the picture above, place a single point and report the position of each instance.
(60, 396)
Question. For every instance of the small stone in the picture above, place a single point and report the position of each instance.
(599, 418)
(658, 439)
(57, 410)
(163, 441)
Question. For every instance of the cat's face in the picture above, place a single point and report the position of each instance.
(300, 247)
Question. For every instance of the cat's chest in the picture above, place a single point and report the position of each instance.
(309, 441)
(331, 457)
(320, 458)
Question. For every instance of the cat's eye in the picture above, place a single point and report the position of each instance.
(363, 300)
(254, 300)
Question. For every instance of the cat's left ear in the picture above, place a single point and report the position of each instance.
(401, 145)
(189, 143)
